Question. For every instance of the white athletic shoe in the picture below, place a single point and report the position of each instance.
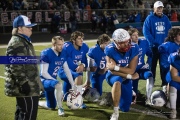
(61, 111)
(43, 104)
(114, 116)
(148, 102)
(173, 114)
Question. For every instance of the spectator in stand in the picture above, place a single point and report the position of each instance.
(104, 22)
(55, 23)
(43, 4)
(168, 10)
(25, 5)
(82, 4)
(114, 20)
(95, 5)
(16, 5)
(76, 6)
(137, 16)
(148, 9)
(94, 18)
(3, 5)
(73, 21)
(88, 8)
(131, 17)
(174, 15)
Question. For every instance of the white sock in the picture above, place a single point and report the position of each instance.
(149, 87)
(172, 97)
(58, 94)
(79, 88)
(116, 110)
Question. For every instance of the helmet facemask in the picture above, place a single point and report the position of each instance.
(123, 46)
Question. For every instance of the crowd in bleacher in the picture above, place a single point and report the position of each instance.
(107, 11)
(143, 6)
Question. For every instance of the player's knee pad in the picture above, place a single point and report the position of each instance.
(172, 89)
(148, 74)
(58, 86)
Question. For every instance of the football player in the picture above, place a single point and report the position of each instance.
(97, 63)
(51, 61)
(76, 51)
(171, 45)
(122, 59)
(174, 60)
(142, 67)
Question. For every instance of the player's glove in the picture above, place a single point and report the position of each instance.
(25, 88)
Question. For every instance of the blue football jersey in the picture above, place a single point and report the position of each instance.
(55, 62)
(99, 57)
(165, 50)
(174, 60)
(121, 59)
(75, 56)
(144, 49)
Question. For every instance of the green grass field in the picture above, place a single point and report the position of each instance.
(94, 112)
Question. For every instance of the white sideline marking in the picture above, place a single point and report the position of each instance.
(49, 43)
(2, 77)
(152, 113)
(38, 50)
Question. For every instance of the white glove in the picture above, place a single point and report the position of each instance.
(146, 66)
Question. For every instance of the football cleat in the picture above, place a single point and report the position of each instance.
(148, 102)
(114, 116)
(83, 106)
(173, 114)
(61, 111)
(43, 104)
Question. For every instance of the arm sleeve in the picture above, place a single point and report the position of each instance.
(68, 73)
(84, 59)
(90, 64)
(44, 71)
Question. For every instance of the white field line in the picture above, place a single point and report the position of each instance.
(38, 50)
(2, 77)
(152, 113)
(49, 43)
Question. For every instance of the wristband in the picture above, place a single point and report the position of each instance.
(116, 68)
(129, 76)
